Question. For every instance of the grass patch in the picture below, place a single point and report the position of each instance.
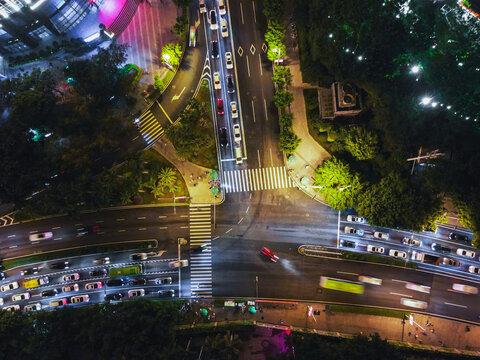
(207, 155)
(368, 311)
(88, 250)
(310, 96)
(376, 259)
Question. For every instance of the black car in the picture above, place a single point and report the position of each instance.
(230, 84)
(166, 293)
(114, 297)
(115, 282)
(441, 248)
(200, 248)
(51, 292)
(459, 237)
(348, 244)
(101, 272)
(222, 134)
(60, 265)
(29, 271)
(214, 49)
(139, 281)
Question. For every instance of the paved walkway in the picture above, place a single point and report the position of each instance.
(309, 154)
(196, 177)
(441, 333)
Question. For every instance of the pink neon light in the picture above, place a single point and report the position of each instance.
(109, 11)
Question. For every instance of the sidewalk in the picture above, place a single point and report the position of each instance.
(441, 333)
(309, 154)
(196, 177)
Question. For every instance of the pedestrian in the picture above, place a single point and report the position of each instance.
(409, 333)
(416, 336)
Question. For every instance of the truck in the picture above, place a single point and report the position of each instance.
(426, 258)
(33, 283)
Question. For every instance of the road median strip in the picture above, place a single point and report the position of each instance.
(78, 251)
(376, 259)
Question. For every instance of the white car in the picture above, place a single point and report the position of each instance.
(380, 235)
(369, 280)
(71, 287)
(411, 242)
(9, 286)
(223, 26)
(12, 308)
(162, 281)
(41, 236)
(375, 249)
(398, 254)
(71, 277)
(216, 81)
(32, 307)
(79, 299)
(1, 301)
(357, 219)
(466, 253)
(20, 297)
(350, 230)
(229, 60)
(465, 288)
(138, 256)
(136, 292)
(233, 107)
(416, 287)
(94, 285)
(474, 270)
(414, 303)
(236, 133)
(202, 7)
(178, 264)
(213, 20)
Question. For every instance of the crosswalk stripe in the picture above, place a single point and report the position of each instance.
(256, 179)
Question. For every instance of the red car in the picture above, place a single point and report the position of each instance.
(269, 254)
(220, 106)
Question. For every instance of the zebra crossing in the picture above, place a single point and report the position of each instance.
(149, 127)
(257, 179)
(201, 262)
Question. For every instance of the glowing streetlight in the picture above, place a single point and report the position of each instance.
(426, 100)
(415, 69)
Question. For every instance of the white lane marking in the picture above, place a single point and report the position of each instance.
(163, 227)
(260, 63)
(183, 227)
(11, 236)
(401, 281)
(347, 273)
(462, 306)
(254, 14)
(253, 111)
(239, 221)
(259, 163)
(121, 230)
(141, 217)
(12, 247)
(120, 219)
(248, 66)
(248, 208)
(141, 229)
(182, 216)
(265, 106)
(80, 224)
(226, 232)
(164, 216)
(99, 221)
(403, 295)
(36, 242)
(241, 13)
(56, 227)
(57, 239)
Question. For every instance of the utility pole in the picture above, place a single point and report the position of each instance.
(256, 287)
(431, 155)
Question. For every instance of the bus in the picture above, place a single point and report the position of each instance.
(126, 271)
(33, 283)
(341, 285)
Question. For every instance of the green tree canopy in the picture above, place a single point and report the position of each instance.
(171, 53)
(288, 141)
(283, 99)
(361, 143)
(339, 185)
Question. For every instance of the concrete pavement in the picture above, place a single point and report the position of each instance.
(309, 154)
(441, 334)
(196, 177)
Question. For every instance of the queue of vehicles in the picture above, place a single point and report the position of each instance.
(113, 278)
